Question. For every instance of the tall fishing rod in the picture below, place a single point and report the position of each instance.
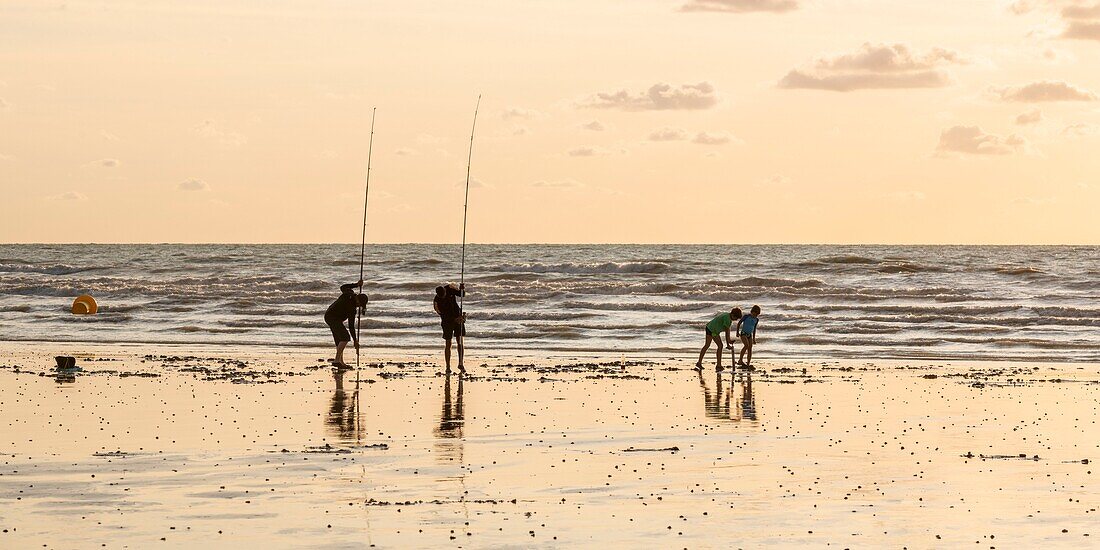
(466, 204)
(363, 244)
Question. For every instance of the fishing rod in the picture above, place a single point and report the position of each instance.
(363, 244)
(466, 204)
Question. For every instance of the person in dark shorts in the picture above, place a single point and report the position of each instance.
(452, 319)
(345, 307)
(714, 330)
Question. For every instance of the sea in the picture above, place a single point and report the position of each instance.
(1020, 303)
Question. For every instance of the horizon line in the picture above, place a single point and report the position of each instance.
(181, 243)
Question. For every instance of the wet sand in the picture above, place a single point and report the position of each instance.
(188, 446)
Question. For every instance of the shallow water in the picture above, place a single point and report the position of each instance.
(542, 452)
(961, 302)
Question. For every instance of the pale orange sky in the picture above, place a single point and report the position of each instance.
(708, 121)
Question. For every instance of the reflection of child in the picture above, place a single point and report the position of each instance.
(746, 328)
(714, 329)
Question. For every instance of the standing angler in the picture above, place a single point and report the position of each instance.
(452, 319)
(345, 307)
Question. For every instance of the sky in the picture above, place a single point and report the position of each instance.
(601, 121)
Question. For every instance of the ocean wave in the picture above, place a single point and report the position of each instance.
(777, 283)
(15, 309)
(212, 330)
(586, 268)
(1019, 271)
(56, 269)
(841, 259)
(637, 306)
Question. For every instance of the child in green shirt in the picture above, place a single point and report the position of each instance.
(714, 331)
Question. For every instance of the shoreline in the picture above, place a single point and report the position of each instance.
(249, 446)
(551, 351)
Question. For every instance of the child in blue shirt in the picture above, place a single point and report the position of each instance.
(746, 328)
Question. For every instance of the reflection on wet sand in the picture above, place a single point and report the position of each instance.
(449, 441)
(343, 413)
(717, 401)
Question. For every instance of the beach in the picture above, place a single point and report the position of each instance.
(182, 446)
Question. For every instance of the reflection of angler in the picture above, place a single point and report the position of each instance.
(343, 415)
(746, 401)
(452, 418)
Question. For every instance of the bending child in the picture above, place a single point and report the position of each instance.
(746, 328)
(714, 331)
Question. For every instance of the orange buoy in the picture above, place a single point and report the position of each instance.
(85, 305)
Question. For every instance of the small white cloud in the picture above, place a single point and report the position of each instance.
(740, 6)
(668, 134)
(1083, 129)
(107, 135)
(225, 138)
(474, 184)
(70, 196)
(971, 140)
(193, 185)
(1082, 30)
(518, 112)
(1047, 90)
(583, 152)
(713, 138)
(428, 139)
(905, 196)
(659, 97)
(558, 184)
(875, 66)
(595, 126)
(1030, 117)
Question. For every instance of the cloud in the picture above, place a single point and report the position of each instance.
(595, 126)
(1082, 129)
(971, 140)
(1047, 90)
(107, 163)
(740, 6)
(404, 152)
(905, 196)
(518, 112)
(583, 152)
(1081, 12)
(1030, 117)
(1082, 30)
(428, 139)
(107, 135)
(210, 130)
(716, 138)
(875, 66)
(559, 184)
(70, 196)
(474, 184)
(193, 185)
(668, 134)
(659, 97)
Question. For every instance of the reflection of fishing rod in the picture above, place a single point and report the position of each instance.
(363, 247)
